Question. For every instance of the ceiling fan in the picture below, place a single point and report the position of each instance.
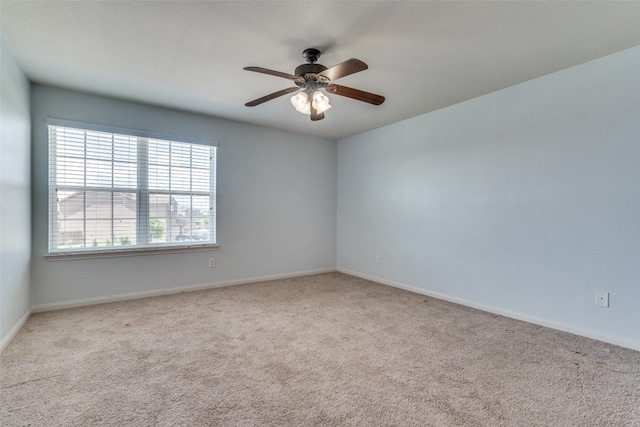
(311, 79)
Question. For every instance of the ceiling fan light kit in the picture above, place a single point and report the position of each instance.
(303, 104)
(311, 79)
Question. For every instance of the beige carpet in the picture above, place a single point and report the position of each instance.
(322, 350)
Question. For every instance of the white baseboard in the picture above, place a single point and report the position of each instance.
(12, 333)
(633, 345)
(168, 291)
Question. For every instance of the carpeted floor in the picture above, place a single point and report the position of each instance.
(329, 349)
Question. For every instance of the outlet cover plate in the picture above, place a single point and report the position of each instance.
(602, 299)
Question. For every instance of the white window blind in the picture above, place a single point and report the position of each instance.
(113, 191)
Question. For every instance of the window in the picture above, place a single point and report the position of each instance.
(128, 191)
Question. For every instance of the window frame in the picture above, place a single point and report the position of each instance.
(142, 197)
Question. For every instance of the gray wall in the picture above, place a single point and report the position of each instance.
(523, 202)
(276, 203)
(15, 195)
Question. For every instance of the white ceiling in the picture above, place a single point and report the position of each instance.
(422, 56)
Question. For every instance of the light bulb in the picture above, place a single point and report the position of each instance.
(320, 102)
(300, 102)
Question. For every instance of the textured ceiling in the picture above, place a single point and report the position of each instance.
(422, 56)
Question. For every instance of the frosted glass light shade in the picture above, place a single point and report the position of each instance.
(300, 102)
(320, 101)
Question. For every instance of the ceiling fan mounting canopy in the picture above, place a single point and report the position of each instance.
(311, 55)
(310, 78)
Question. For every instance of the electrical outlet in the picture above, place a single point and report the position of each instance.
(378, 259)
(602, 299)
(212, 262)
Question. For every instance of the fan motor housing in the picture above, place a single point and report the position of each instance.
(304, 69)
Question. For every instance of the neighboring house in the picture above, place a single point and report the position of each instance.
(104, 219)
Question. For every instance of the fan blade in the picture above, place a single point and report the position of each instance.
(275, 73)
(271, 96)
(315, 116)
(357, 94)
(343, 69)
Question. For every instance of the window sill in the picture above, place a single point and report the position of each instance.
(69, 256)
